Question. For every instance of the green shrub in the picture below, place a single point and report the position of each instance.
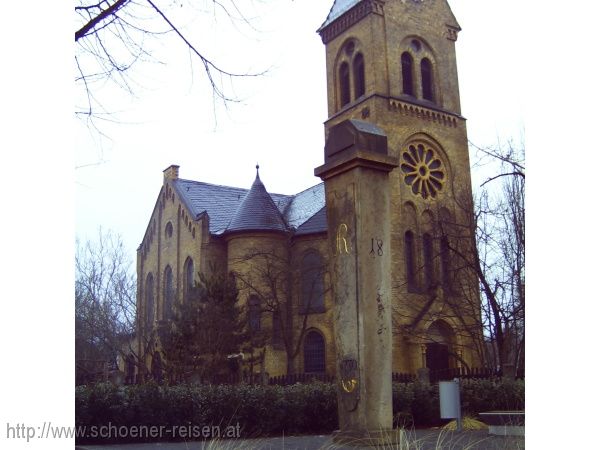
(488, 395)
(271, 410)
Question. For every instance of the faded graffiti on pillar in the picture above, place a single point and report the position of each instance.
(376, 247)
(349, 383)
(340, 239)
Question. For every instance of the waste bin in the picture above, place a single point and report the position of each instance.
(450, 401)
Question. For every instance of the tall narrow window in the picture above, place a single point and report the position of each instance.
(254, 313)
(168, 294)
(156, 367)
(169, 230)
(130, 369)
(428, 260)
(344, 84)
(312, 283)
(407, 74)
(277, 334)
(149, 300)
(409, 257)
(188, 277)
(359, 75)
(314, 352)
(427, 79)
(446, 264)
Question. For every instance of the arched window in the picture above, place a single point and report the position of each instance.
(344, 75)
(254, 313)
(409, 259)
(168, 294)
(130, 369)
(149, 300)
(188, 277)
(428, 260)
(314, 352)
(277, 335)
(358, 66)
(156, 367)
(446, 262)
(168, 230)
(407, 74)
(427, 79)
(312, 283)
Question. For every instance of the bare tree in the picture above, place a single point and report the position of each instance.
(497, 255)
(501, 244)
(275, 276)
(113, 36)
(105, 302)
(475, 272)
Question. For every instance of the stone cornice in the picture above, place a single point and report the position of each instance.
(349, 18)
(424, 113)
(431, 113)
(353, 159)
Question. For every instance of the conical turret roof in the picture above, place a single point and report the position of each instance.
(257, 212)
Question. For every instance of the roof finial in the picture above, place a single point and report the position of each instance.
(257, 167)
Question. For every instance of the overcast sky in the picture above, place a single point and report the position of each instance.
(278, 123)
(543, 51)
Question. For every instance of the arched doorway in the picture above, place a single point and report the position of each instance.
(438, 347)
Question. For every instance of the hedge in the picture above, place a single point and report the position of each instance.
(268, 410)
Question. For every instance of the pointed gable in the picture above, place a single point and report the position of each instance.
(257, 212)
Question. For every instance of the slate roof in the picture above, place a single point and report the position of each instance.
(339, 7)
(237, 209)
(257, 212)
(316, 224)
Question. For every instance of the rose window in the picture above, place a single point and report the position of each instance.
(423, 170)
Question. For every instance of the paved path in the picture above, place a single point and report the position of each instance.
(418, 439)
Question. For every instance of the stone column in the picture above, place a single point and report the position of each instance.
(358, 213)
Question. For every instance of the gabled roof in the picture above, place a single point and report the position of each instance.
(222, 203)
(339, 7)
(304, 205)
(316, 224)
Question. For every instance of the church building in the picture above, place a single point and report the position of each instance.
(391, 66)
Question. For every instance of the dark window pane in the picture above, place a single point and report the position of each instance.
(277, 335)
(254, 313)
(188, 282)
(409, 257)
(428, 259)
(312, 283)
(149, 300)
(427, 79)
(407, 73)
(446, 263)
(344, 84)
(359, 75)
(169, 293)
(314, 353)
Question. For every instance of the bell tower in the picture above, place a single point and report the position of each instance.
(392, 64)
(389, 49)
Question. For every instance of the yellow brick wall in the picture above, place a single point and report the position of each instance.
(381, 39)
(241, 248)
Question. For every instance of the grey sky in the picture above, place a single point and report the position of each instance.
(279, 122)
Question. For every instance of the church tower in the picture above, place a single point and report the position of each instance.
(392, 63)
